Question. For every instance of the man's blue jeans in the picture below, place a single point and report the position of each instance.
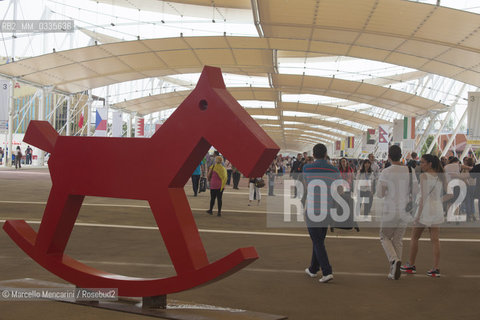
(319, 253)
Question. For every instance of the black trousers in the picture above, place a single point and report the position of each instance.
(18, 162)
(216, 193)
(229, 176)
(195, 180)
(236, 179)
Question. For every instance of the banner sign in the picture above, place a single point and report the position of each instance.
(338, 145)
(473, 118)
(4, 103)
(117, 124)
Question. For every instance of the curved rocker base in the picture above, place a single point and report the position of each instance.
(85, 276)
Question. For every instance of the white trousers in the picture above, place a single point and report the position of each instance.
(252, 190)
(391, 239)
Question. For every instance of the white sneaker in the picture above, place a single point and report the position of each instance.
(312, 275)
(395, 270)
(326, 278)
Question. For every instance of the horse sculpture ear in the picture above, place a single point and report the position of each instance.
(211, 77)
(42, 135)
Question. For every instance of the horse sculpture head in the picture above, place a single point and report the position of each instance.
(220, 121)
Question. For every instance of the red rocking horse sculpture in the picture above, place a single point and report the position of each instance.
(208, 116)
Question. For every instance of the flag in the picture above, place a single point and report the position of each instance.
(350, 142)
(343, 144)
(101, 122)
(140, 127)
(409, 128)
(338, 145)
(370, 136)
(80, 122)
(382, 135)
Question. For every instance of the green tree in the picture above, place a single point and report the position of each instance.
(427, 144)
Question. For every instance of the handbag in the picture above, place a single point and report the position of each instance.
(259, 183)
(203, 185)
(409, 206)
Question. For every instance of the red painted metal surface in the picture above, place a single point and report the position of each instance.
(162, 166)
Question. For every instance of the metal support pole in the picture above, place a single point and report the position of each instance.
(69, 115)
(465, 151)
(135, 129)
(41, 116)
(8, 156)
(14, 36)
(454, 134)
(439, 132)
(89, 111)
(425, 135)
(129, 126)
(358, 148)
(150, 130)
(107, 107)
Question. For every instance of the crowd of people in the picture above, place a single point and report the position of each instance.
(426, 179)
(18, 157)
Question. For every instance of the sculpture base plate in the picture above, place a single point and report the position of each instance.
(175, 310)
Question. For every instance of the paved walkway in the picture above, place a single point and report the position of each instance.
(120, 236)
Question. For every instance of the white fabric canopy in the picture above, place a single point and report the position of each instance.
(430, 39)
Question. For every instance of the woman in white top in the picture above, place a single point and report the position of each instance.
(430, 212)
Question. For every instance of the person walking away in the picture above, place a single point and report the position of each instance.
(347, 174)
(375, 170)
(228, 166)
(196, 178)
(271, 173)
(319, 169)
(295, 171)
(452, 172)
(28, 155)
(394, 187)
(430, 212)
(414, 164)
(254, 191)
(18, 158)
(217, 175)
(235, 177)
(468, 204)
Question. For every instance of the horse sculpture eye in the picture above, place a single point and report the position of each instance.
(203, 104)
